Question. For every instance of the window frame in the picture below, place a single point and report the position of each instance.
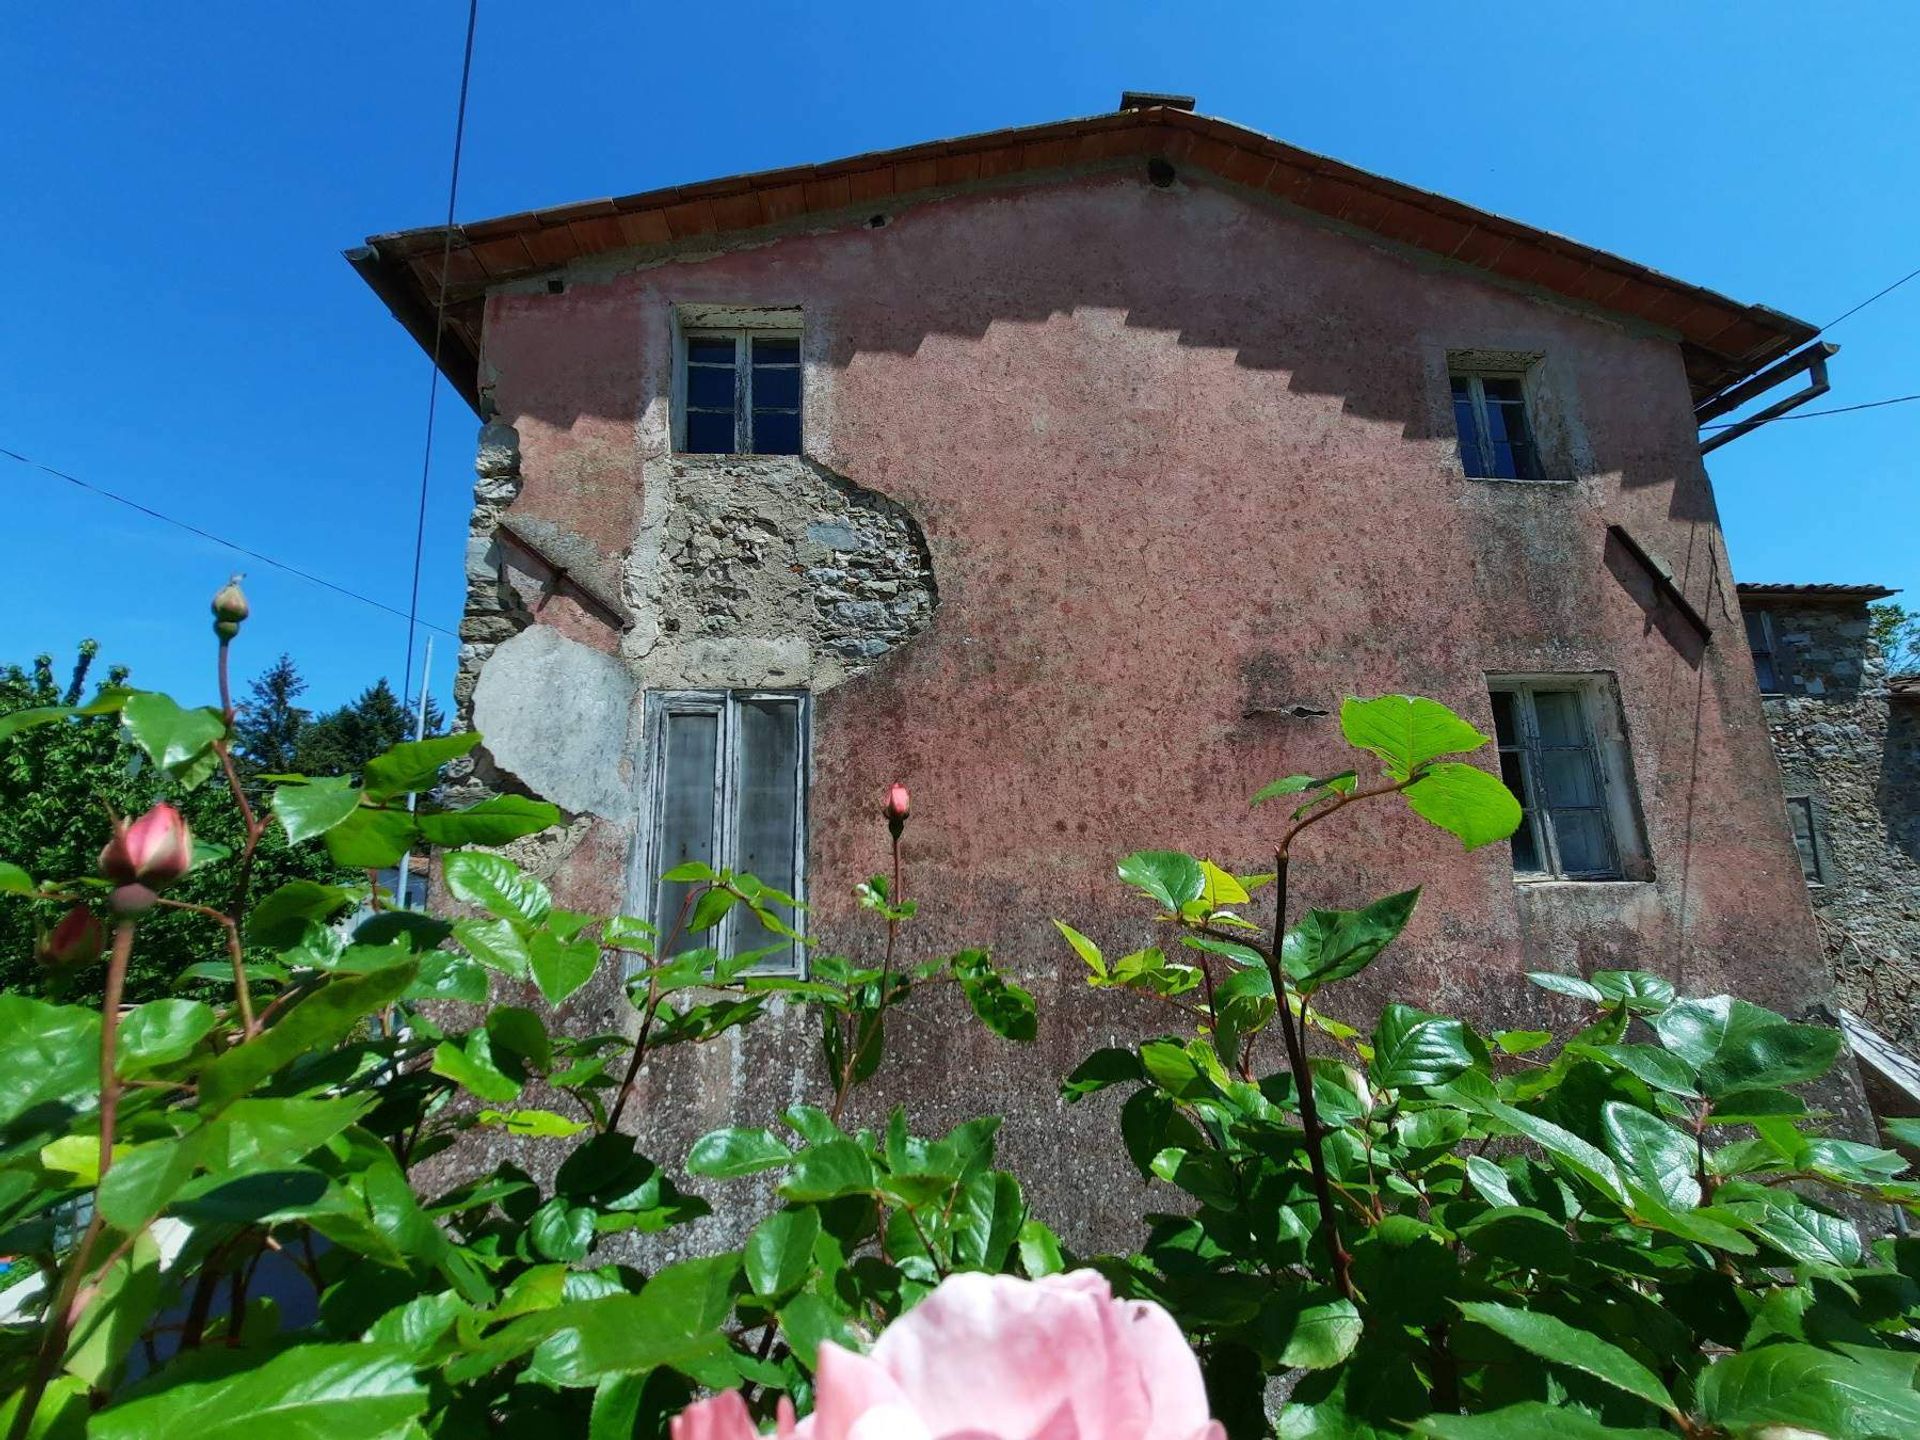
(1619, 809)
(742, 327)
(1772, 651)
(1476, 367)
(1816, 847)
(724, 703)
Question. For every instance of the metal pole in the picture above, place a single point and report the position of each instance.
(419, 733)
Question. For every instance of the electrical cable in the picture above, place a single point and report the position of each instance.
(439, 329)
(1816, 414)
(192, 529)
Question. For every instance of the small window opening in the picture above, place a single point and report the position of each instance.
(1766, 668)
(740, 392)
(1806, 839)
(1496, 434)
(729, 790)
(1572, 783)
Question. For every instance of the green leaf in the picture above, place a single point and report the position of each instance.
(316, 1022)
(473, 1067)
(1521, 1042)
(1652, 1154)
(1530, 1420)
(1565, 985)
(414, 765)
(173, 737)
(674, 1320)
(1166, 875)
(279, 919)
(1640, 992)
(1475, 1092)
(1109, 1066)
(1307, 1329)
(493, 821)
(724, 1154)
(1560, 1343)
(147, 1178)
(779, 1252)
(496, 885)
(987, 1220)
(534, 1124)
(1470, 804)
(1406, 731)
(1220, 889)
(1648, 1063)
(561, 968)
(1411, 1047)
(1805, 1235)
(310, 1392)
(496, 944)
(371, 839)
(1291, 785)
(1005, 1008)
(120, 1310)
(826, 1172)
(562, 1231)
(1084, 948)
(314, 808)
(1040, 1253)
(1329, 945)
(1850, 1396)
(15, 881)
(1735, 1045)
(161, 1032)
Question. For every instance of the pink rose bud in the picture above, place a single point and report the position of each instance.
(229, 609)
(899, 803)
(153, 851)
(77, 940)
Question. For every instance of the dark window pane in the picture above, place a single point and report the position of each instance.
(778, 349)
(709, 433)
(710, 350)
(767, 793)
(1582, 838)
(686, 811)
(1468, 429)
(1567, 776)
(776, 433)
(1503, 390)
(1558, 715)
(1505, 731)
(710, 387)
(776, 387)
(1507, 427)
(1526, 855)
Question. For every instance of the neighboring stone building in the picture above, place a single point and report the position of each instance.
(1848, 739)
(1073, 474)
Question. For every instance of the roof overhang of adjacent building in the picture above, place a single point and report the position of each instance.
(1722, 340)
(1814, 592)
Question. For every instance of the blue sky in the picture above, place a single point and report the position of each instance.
(179, 182)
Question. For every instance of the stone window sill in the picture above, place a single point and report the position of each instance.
(1554, 882)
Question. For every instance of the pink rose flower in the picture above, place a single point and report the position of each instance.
(990, 1357)
(153, 851)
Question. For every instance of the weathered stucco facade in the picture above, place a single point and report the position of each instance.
(1115, 481)
(1848, 739)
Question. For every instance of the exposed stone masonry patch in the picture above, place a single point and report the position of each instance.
(1844, 741)
(771, 569)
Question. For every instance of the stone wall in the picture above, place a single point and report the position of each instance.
(1852, 747)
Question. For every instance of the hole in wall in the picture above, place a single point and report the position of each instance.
(875, 222)
(556, 287)
(1160, 172)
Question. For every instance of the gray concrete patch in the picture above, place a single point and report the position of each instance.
(556, 716)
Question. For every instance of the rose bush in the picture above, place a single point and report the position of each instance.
(1630, 1224)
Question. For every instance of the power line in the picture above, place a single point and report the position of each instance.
(439, 329)
(1816, 414)
(1869, 300)
(191, 529)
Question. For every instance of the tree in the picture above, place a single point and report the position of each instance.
(1896, 630)
(269, 725)
(341, 741)
(59, 781)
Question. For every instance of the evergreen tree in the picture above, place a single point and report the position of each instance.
(341, 741)
(269, 724)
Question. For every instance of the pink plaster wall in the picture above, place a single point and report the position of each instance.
(1180, 456)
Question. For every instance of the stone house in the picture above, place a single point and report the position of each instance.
(1847, 736)
(1073, 474)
